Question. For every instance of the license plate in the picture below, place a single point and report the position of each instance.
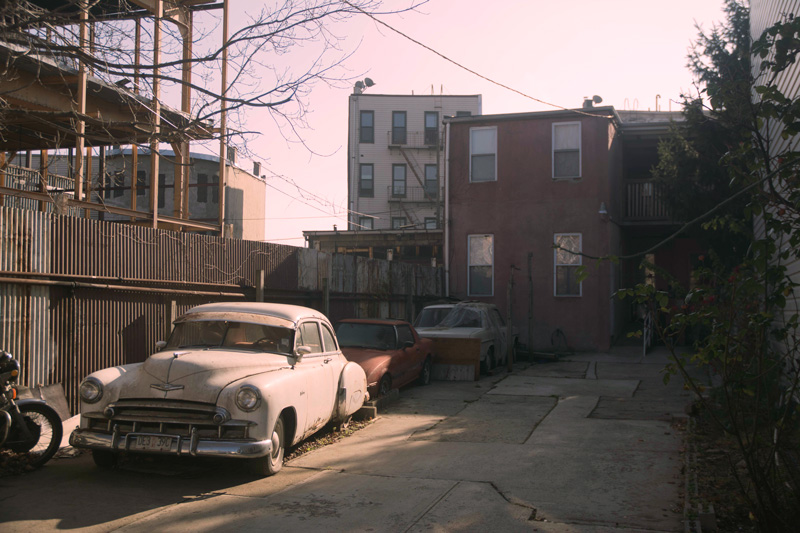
(152, 443)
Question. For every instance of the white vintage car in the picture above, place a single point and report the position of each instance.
(240, 380)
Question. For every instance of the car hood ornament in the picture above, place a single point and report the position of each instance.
(166, 387)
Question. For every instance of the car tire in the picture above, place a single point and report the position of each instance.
(104, 459)
(384, 386)
(425, 373)
(271, 464)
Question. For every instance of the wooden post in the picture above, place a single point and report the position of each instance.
(530, 303)
(80, 129)
(137, 57)
(43, 178)
(154, 157)
(2, 175)
(326, 297)
(223, 141)
(260, 284)
(509, 332)
(172, 314)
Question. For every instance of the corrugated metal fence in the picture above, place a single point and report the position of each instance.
(77, 295)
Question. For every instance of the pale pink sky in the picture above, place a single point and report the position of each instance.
(626, 51)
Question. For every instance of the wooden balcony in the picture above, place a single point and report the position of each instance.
(644, 202)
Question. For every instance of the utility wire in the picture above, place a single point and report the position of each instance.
(473, 72)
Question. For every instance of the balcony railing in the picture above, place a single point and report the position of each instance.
(414, 194)
(26, 179)
(413, 139)
(644, 201)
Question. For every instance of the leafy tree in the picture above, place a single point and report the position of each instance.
(734, 155)
(717, 119)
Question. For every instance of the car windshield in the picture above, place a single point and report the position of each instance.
(234, 335)
(431, 316)
(375, 336)
(462, 317)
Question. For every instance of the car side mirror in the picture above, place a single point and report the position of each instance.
(160, 345)
(300, 352)
(408, 344)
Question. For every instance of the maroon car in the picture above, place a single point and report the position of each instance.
(390, 352)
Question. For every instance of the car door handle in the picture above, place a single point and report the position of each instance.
(327, 360)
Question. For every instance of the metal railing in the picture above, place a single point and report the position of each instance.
(414, 194)
(413, 139)
(28, 179)
(644, 201)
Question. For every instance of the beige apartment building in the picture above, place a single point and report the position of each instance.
(395, 175)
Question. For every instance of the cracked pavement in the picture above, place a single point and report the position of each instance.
(583, 444)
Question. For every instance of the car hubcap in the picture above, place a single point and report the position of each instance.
(276, 444)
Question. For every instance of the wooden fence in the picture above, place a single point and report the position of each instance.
(77, 295)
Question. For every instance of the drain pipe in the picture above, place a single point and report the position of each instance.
(447, 210)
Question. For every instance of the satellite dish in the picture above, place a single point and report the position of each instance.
(596, 99)
(359, 85)
(368, 82)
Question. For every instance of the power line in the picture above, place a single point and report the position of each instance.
(463, 67)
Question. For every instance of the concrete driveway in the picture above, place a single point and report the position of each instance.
(583, 444)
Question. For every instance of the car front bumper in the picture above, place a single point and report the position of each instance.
(181, 445)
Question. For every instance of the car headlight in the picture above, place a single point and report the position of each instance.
(91, 390)
(248, 398)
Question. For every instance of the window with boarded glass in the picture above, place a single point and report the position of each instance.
(483, 154)
(141, 182)
(202, 188)
(481, 265)
(567, 258)
(567, 150)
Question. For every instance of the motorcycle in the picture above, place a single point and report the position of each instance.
(27, 426)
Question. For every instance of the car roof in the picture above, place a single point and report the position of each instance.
(440, 306)
(381, 321)
(476, 305)
(292, 313)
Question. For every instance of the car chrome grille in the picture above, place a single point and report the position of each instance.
(169, 417)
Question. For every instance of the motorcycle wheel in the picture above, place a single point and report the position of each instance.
(46, 428)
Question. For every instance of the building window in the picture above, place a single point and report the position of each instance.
(463, 113)
(431, 128)
(367, 129)
(483, 154)
(398, 222)
(399, 181)
(162, 190)
(106, 185)
(481, 265)
(141, 182)
(366, 183)
(567, 150)
(202, 188)
(431, 182)
(365, 222)
(567, 262)
(119, 183)
(430, 223)
(398, 127)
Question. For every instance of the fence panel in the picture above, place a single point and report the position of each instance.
(78, 295)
